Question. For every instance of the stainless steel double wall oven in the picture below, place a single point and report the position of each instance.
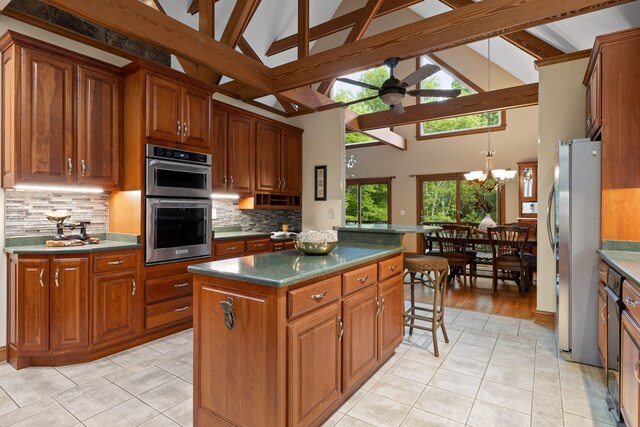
(178, 205)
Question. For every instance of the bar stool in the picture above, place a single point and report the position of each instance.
(433, 273)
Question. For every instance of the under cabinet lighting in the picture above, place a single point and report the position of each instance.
(58, 188)
(225, 196)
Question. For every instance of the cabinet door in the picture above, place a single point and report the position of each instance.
(235, 381)
(196, 105)
(99, 131)
(630, 372)
(602, 325)
(241, 154)
(268, 156)
(46, 144)
(32, 308)
(114, 306)
(391, 318)
(594, 101)
(360, 352)
(292, 162)
(69, 322)
(219, 179)
(163, 115)
(314, 364)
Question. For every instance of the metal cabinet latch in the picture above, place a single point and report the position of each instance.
(227, 309)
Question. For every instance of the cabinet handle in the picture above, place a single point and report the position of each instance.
(69, 165)
(185, 130)
(224, 181)
(636, 371)
(340, 328)
(133, 282)
(259, 245)
(318, 297)
(393, 267)
(41, 274)
(115, 262)
(82, 167)
(377, 305)
(231, 182)
(284, 183)
(181, 308)
(383, 305)
(631, 302)
(179, 128)
(602, 314)
(589, 122)
(230, 248)
(181, 285)
(56, 277)
(362, 279)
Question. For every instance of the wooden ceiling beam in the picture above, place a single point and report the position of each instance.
(195, 7)
(501, 99)
(336, 24)
(384, 135)
(477, 21)
(207, 18)
(357, 32)
(521, 39)
(303, 28)
(136, 20)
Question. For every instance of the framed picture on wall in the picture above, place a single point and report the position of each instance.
(321, 183)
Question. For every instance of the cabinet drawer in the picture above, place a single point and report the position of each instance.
(168, 287)
(603, 272)
(289, 245)
(113, 262)
(230, 248)
(261, 245)
(168, 312)
(389, 267)
(313, 296)
(360, 278)
(631, 300)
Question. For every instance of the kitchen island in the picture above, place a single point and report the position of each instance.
(285, 338)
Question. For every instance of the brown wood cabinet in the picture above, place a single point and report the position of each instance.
(594, 101)
(278, 160)
(176, 112)
(114, 306)
(29, 304)
(62, 119)
(69, 302)
(630, 371)
(390, 320)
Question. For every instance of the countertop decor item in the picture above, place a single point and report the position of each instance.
(309, 248)
(312, 242)
(58, 215)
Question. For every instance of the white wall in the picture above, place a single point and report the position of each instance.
(561, 104)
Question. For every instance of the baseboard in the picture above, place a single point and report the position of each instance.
(3, 354)
(545, 318)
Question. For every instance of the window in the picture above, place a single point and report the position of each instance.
(473, 123)
(368, 201)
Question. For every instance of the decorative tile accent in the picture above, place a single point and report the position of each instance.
(228, 214)
(24, 211)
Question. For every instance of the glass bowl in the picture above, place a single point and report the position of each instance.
(309, 248)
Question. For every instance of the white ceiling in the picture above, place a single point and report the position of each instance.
(275, 19)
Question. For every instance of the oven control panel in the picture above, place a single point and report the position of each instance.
(157, 152)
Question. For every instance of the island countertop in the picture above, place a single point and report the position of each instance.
(389, 228)
(285, 268)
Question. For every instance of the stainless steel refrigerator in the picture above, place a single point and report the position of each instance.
(577, 225)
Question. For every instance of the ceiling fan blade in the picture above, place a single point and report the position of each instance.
(357, 83)
(435, 93)
(344, 104)
(419, 75)
(398, 108)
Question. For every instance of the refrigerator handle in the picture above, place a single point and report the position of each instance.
(550, 232)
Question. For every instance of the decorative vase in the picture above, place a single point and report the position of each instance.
(486, 223)
(285, 227)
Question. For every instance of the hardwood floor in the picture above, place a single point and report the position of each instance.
(506, 302)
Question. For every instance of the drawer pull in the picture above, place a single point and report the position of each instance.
(115, 262)
(181, 285)
(393, 267)
(181, 308)
(377, 305)
(133, 282)
(56, 278)
(259, 245)
(383, 305)
(41, 274)
(636, 371)
(230, 248)
(340, 328)
(362, 279)
(318, 297)
(631, 302)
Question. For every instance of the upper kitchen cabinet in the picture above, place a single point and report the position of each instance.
(613, 86)
(177, 112)
(62, 115)
(278, 159)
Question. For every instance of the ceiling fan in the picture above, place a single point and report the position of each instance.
(393, 90)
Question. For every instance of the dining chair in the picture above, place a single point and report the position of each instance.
(507, 245)
(453, 242)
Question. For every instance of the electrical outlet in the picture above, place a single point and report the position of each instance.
(331, 214)
(402, 212)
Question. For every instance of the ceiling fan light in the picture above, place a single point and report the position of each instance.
(391, 98)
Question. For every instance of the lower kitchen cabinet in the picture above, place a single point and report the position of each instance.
(69, 322)
(114, 306)
(630, 371)
(315, 354)
(29, 304)
(391, 318)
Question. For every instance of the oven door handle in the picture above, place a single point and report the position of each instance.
(186, 203)
(179, 166)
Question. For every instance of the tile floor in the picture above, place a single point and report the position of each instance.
(495, 371)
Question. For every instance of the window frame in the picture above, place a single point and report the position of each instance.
(461, 78)
(366, 181)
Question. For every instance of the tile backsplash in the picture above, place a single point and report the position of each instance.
(227, 213)
(24, 211)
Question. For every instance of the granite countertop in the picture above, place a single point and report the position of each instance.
(104, 245)
(280, 269)
(626, 263)
(388, 228)
(230, 235)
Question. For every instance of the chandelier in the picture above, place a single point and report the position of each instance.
(500, 176)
